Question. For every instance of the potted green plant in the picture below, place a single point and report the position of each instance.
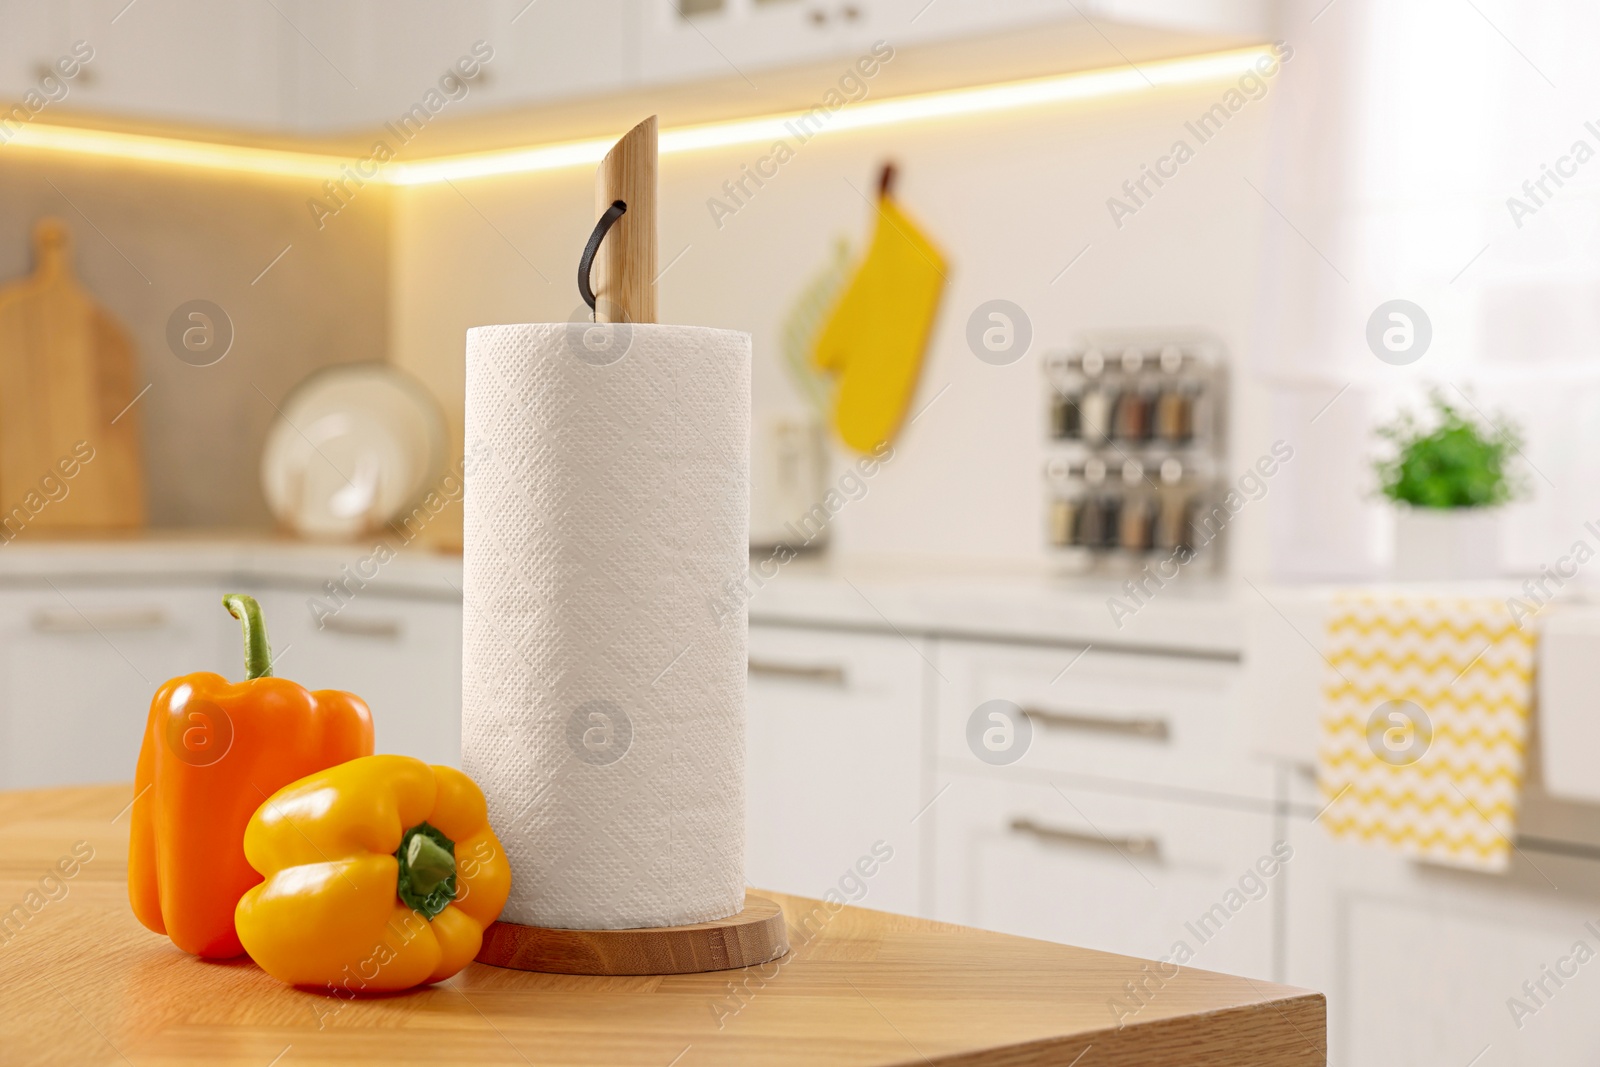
(1448, 473)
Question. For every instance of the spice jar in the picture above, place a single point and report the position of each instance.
(1136, 525)
(1096, 409)
(1174, 421)
(1090, 528)
(1174, 519)
(1066, 416)
(1132, 419)
(1111, 522)
(1063, 520)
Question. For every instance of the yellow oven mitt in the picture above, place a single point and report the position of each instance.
(874, 341)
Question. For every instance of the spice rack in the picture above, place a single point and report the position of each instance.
(1135, 428)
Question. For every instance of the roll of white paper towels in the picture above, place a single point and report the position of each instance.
(605, 545)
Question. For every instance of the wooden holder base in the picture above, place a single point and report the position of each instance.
(755, 935)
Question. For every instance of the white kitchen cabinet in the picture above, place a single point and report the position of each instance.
(834, 763)
(1420, 963)
(336, 70)
(310, 67)
(683, 39)
(1124, 874)
(1242, 17)
(79, 665)
(33, 39)
(304, 67)
(364, 63)
(401, 654)
(546, 51)
(931, 19)
(176, 60)
(1165, 720)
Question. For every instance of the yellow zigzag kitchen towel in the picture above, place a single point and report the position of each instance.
(1425, 726)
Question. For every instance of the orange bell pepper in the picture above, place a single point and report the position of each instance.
(212, 752)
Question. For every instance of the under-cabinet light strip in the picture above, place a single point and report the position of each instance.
(987, 99)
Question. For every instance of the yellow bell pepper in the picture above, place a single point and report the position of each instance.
(381, 874)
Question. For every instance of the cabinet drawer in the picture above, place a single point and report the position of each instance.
(1165, 720)
(833, 742)
(401, 655)
(1117, 873)
(1425, 964)
(79, 664)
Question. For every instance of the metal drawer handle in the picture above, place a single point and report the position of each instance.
(387, 629)
(1148, 727)
(1133, 844)
(821, 675)
(51, 621)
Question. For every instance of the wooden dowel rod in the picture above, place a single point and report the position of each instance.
(624, 275)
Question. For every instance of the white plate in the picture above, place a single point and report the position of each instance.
(353, 447)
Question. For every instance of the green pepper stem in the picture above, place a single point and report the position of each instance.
(425, 881)
(257, 653)
(429, 864)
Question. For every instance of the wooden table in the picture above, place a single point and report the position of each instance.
(84, 983)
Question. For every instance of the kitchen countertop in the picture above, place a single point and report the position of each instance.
(245, 557)
(1195, 614)
(85, 983)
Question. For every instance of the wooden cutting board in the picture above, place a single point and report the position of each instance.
(69, 440)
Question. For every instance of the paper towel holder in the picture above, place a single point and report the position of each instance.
(624, 269)
(756, 935)
(609, 219)
(621, 252)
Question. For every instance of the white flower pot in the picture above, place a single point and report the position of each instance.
(1434, 544)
